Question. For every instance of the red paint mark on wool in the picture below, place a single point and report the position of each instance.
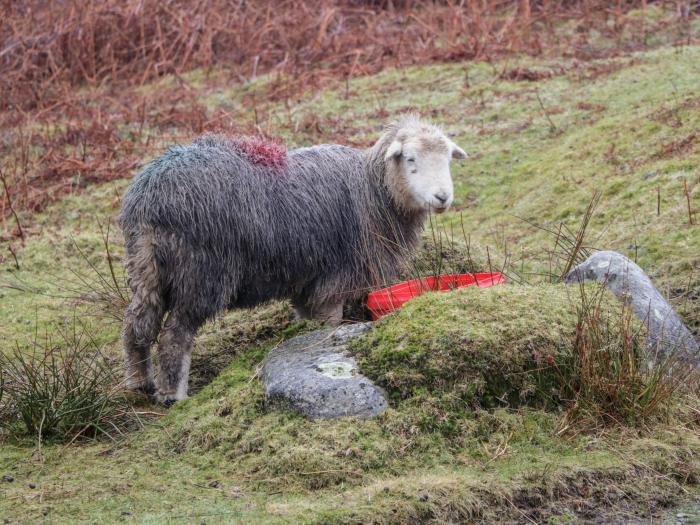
(261, 151)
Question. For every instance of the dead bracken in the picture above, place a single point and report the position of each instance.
(73, 75)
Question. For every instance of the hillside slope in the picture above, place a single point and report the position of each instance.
(544, 135)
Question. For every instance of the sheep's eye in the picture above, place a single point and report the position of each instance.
(411, 160)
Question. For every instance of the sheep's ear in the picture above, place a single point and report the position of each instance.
(457, 152)
(394, 150)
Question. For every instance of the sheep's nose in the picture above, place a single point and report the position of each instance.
(442, 197)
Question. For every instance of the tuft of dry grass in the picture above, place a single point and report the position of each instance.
(612, 381)
(106, 291)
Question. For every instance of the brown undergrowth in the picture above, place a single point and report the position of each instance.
(72, 76)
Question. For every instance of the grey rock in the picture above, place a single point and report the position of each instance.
(315, 375)
(667, 332)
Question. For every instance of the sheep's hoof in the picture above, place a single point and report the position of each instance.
(147, 388)
(166, 400)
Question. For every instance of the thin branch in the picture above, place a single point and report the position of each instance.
(12, 209)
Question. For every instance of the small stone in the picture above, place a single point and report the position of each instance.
(8, 478)
(213, 484)
(32, 485)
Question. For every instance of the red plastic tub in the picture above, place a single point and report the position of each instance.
(389, 299)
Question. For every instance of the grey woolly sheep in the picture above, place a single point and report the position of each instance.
(230, 222)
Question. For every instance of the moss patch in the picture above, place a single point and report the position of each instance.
(488, 347)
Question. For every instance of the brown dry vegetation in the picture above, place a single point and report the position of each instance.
(47, 49)
(74, 111)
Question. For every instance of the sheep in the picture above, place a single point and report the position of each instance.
(232, 222)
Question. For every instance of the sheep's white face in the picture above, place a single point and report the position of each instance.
(419, 161)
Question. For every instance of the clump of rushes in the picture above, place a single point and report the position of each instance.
(614, 378)
(61, 390)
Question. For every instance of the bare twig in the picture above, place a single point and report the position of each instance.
(14, 255)
(11, 207)
(687, 197)
(552, 126)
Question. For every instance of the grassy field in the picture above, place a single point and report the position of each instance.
(543, 135)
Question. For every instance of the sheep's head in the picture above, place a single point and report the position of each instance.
(418, 166)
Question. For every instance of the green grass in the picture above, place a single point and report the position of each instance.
(449, 448)
(271, 465)
(432, 455)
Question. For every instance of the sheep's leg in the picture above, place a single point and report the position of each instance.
(331, 312)
(141, 326)
(328, 312)
(301, 311)
(174, 357)
(143, 317)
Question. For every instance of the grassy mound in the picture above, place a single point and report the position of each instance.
(489, 347)
(437, 453)
(481, 348)
(546, 347)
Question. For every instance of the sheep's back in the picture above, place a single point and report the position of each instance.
(306, 213)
